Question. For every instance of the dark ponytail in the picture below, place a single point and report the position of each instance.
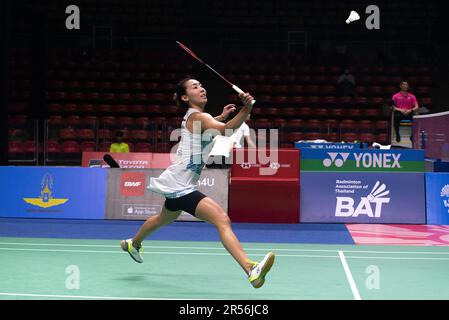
(180, 91)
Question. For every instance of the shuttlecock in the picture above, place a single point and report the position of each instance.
(353, 16)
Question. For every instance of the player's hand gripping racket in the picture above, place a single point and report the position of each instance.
(191, 53)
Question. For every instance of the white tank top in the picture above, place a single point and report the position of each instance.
(182, 176)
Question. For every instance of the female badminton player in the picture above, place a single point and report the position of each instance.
(178, 183)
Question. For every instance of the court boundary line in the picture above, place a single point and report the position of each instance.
(223, 254)
(37, 295)
(221, 248)
(348, 273)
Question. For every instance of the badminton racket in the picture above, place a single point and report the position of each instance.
(193, 55)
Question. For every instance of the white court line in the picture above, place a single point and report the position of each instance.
(161, 252)
(220, 254)
(219, 248)
(84, 297)
(351, 281)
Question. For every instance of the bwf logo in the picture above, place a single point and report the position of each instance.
(133, 184)
(338, 162)
(375, 200)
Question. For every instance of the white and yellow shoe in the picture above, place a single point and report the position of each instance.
(258, 272)
(127, 246)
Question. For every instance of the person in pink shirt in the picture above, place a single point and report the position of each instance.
(404, 106)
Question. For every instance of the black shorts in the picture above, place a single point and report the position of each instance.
(187, 203)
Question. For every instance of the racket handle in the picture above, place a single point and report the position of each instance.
(241, 91)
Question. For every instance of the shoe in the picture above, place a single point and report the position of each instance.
(259, 270)
(127, 246)
(398, 138)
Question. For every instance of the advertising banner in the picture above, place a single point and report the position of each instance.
(340, 197)
(362, 160)
(129, 199)
(50, 192)
(330, 145)
(437, 198)
(139, 160)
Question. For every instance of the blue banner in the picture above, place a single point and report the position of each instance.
(437, 198)
(49, 192)
(350, 197)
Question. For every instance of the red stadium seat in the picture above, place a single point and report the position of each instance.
(365, 125)
(353, 112)
(87, 108)
(105, 134)
(295, 124)
(280, 100)
(320, 112)
(296, 100)
(139, 134)
(137, 108)
(143, 147)
(71, 108)
(73, 121)
(107, 96)
(382, 138)
(143, 122)
(367, 137)
(120, 108)
(270, 112)
(53, 147)
(104, 108)
(262, 123)
(29, 146)
(313, 100)
(15, 147)
(108, 121)
(56, 120)
(313, 135)
(86, 134)
(345, 101)
(382, 125)
(313, 125)
(295, 136)
(303, 111)
(68, 134)
(88, 146)
(70, 147)
(17, 119)
(287, 112)
(154, 109)
(337, 112)
(349, 136)
(279, 123)
(427, 102)
(371, 113)
(90, 121)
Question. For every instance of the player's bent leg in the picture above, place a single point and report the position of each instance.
(208, 210)
(134, 245)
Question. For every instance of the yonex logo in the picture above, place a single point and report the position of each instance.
(339, 162)
(377, 196)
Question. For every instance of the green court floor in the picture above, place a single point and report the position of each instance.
(39, 268)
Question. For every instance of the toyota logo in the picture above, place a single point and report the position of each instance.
(246, 165)
(275, 165)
